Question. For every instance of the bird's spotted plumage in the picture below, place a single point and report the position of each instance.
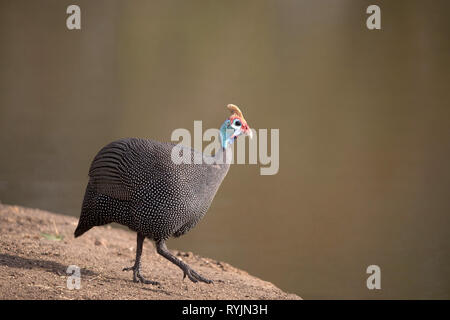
(134, 182)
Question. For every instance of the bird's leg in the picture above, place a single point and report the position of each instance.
(192, 275)
(137, 264)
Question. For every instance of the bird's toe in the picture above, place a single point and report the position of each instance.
(195, 277)
(201, 278)
(145, 281)
(129, 268)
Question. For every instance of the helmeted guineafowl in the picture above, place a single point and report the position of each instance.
(136, 183)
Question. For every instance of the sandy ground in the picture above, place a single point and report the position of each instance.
(36, 248)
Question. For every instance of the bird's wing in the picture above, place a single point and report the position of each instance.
(109, 168)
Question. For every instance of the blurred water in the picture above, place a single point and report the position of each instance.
(363, 118)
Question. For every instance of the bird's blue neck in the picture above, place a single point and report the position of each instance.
(226, 134)
(226, 138)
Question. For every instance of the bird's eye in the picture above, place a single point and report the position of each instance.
(237, 123)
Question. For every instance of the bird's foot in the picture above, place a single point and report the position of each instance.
(194, 276)
(137, 276)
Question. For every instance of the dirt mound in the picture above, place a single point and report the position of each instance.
(37, 247)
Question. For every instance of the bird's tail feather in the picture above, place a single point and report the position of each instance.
(84, 224)
(80, 230)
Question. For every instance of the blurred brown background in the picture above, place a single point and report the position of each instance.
(363, 116)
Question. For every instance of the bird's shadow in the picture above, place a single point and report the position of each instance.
(157, 289)
(13, 261)
(28, 263)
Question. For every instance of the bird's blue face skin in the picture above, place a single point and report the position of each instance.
(231, 129)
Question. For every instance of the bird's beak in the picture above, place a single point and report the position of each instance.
(250, 133)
